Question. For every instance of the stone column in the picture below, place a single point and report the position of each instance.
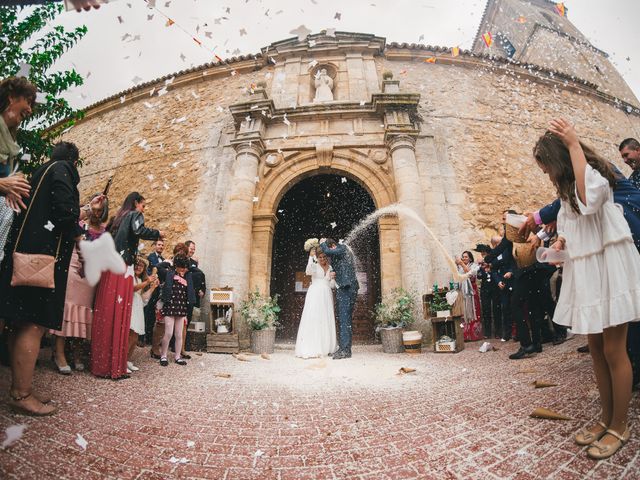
(389, 254)
(415, 274)
(264, 226)
(236, 245)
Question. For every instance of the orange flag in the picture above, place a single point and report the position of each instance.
(169, 23)
(430, 60)
(488, 39)
(455, 51)
(560, 9)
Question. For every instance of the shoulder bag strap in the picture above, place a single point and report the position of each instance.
(29, 209)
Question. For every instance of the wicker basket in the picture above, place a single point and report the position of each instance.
(391, 340)
(524, 255)
(262, 341)
(512, 233)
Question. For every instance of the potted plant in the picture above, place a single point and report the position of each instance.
(393, 314)
(261, 314)
(387, 75)
(439, 305)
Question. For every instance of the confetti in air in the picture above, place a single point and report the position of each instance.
(49, 226)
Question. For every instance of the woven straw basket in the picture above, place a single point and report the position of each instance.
(524, 255)
(512, 233)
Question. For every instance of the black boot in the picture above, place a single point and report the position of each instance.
(523, 352)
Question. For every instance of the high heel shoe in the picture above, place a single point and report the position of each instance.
(66, 370)
(586, 437)
(600, 451)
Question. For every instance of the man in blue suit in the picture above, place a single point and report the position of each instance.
(343, 265)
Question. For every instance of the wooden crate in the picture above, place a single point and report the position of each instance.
(456, 309)
(196, 341)
(449, 326)
(223, 343)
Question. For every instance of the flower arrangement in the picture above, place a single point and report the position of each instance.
(311, 243)
(396, 309)
(387, 75)
(260, 312)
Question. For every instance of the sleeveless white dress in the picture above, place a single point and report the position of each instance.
(601, 279)
(137, 308)
(317, 330)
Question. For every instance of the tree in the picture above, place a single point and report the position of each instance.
(52, 114)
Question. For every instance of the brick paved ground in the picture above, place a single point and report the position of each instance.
(458, 416)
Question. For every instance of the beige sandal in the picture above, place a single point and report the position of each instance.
(586, 437)
(43, 411)
(599, 450)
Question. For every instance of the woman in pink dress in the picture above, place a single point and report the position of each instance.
(78, 303)
(469, 290)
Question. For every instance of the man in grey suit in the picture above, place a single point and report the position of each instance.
(343, 265)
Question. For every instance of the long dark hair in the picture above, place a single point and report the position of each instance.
(554, 157)
(471, 260)
(129, 205)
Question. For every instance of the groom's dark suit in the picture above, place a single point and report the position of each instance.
(347, 292)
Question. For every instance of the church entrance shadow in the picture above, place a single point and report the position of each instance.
(324, 205)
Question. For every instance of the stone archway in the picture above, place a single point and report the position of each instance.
(323, 205)
(276, 180)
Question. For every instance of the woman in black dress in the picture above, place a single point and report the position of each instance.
(48, 226)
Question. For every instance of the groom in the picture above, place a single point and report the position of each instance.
(346, 293)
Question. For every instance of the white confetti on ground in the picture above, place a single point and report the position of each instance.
(191, 443)
(14, 433)
(81, 442)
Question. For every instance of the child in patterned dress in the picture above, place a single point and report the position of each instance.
(177, 295)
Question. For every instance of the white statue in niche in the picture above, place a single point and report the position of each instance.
(324, 87)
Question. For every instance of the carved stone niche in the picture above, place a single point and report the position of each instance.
(324, 87)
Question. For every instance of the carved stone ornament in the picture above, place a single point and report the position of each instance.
(378, 156)
(324, 152)
(273, 159)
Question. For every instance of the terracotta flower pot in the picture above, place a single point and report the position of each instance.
(262, 341)
(392, 340)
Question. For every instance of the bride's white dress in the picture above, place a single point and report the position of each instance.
(317, 330)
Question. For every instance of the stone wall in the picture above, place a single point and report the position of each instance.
(473, 151)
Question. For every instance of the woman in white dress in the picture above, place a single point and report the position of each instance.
(317, 330)
(600, 290)
(143, 287)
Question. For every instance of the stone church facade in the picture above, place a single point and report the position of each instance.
(448, 136)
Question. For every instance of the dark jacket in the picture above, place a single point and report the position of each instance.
(167, 288)
(343, 264)
(154, 260)
(501, 260)
(55, 203)
(129, 233)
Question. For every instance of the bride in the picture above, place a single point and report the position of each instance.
(317, 330)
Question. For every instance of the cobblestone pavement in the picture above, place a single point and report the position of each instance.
(460, 415)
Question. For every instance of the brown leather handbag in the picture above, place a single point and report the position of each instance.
(33, 269)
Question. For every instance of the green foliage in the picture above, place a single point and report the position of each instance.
(396, 309)
(37, 135)
(260, 312)
(439, 302)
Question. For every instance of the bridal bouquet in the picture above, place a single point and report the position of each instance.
(311, 243)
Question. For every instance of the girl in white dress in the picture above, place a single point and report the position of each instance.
(143, 287)
(600, 290)
(317, 330)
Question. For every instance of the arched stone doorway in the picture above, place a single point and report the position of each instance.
(323, 205)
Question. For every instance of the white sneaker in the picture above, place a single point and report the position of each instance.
(132, 367)
(129, 371)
